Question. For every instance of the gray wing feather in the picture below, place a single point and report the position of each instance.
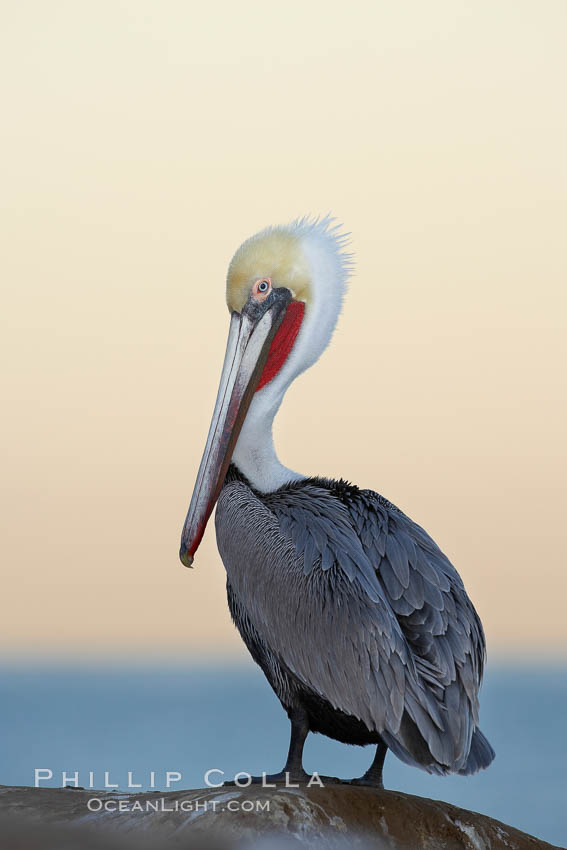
(353, 599)
(437, 618)
(332, 628)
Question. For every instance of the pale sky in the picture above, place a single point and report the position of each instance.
(141, 143)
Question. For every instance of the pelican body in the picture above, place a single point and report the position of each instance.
(360, 623)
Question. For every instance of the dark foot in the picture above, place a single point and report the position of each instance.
(368, 782)
(373, 776)
(321, 781)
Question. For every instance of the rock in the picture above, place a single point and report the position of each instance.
(339, 816)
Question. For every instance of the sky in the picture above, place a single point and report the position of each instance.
(142, 142)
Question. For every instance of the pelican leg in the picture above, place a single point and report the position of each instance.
(299, 731)
(373, 775)
(293, 772)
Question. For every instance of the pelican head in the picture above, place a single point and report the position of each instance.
(285, 288)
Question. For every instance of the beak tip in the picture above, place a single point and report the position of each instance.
(185, 558)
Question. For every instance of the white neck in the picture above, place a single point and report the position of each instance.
(254, 453)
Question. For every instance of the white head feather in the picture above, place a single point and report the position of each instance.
(308, 257)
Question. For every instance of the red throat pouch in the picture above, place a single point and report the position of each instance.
(283, 342)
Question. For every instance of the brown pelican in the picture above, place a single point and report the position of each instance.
(360, 623)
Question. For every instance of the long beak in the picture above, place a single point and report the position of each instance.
(249, 341)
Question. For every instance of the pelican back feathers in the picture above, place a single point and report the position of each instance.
(353, 611)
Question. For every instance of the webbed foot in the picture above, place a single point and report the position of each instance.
(367, 782)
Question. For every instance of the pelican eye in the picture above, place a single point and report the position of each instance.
(261, 289)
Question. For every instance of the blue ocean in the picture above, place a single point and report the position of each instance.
(148, 722)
